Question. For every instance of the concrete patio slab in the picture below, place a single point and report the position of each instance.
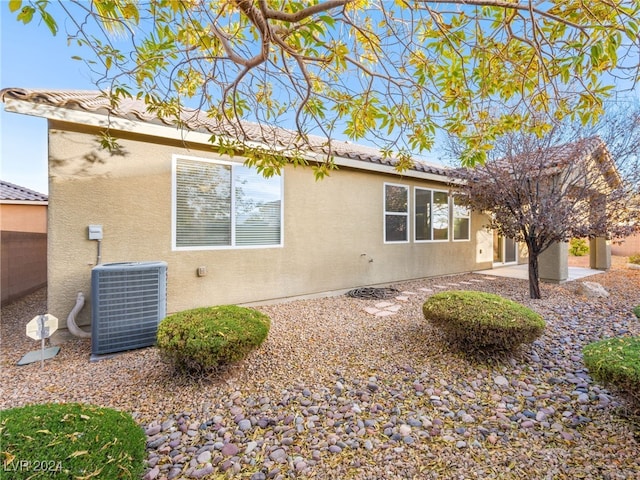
(522, 272)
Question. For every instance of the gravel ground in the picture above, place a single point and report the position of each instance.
(338, 392)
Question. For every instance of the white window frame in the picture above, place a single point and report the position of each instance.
(399, 214)
(232, 246)
(449, 213)
(453, 220)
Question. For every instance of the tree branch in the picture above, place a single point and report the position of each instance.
(506, 4)
(304, 13)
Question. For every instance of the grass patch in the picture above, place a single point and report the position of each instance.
(635, 259)
(636, 311)
(478, 321)
(201, 339)
(70, 440)
(616, 362)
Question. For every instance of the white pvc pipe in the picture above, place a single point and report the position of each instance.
(71, 319)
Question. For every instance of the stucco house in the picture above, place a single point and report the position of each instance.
(581, 176)
(227, 234)
(23, 229)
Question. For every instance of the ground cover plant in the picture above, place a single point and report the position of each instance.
(201, 339)
(479, 321)
(635, 259)
(616, 362)
(70, 440)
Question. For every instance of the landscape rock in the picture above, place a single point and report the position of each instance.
(335, 392)
(592, 290)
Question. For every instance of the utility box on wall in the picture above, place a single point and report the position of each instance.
(128, 300)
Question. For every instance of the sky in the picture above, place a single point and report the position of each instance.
(31, 57)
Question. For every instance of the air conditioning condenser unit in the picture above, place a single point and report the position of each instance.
(128, 300)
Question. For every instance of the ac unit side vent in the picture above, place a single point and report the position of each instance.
(128, 300)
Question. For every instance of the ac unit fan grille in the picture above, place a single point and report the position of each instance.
(128, 301)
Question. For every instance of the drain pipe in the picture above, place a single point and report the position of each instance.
(71, 319)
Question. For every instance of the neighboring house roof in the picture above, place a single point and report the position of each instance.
(10, 193)
(199, 121)
(555, 158)
(582, 151)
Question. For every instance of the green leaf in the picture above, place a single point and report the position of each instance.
(328, 19)
(131, 11)
(26, 14)
(49, 22)
(596, 53)
(15, 5)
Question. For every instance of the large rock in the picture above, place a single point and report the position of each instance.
(592, 290)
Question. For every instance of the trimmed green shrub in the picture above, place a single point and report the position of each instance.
(635, 259)
(202, 339)
(616, 362)
(578, 247)
(478, 321)
(636, 311)
(70, 440)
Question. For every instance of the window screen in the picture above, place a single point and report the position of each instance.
(224, 205)
(396, 213)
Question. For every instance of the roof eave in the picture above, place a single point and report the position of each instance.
(23, 202)
(389, 169)
(115, 123)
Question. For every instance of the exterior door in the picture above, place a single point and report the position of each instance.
(505, 250)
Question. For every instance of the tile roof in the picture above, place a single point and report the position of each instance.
(585, 150)
(197, 120)
(554, 159)
(9, 191)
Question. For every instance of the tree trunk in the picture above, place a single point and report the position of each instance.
(534, 277)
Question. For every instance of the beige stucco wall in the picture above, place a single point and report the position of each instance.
(626, 246)
(553, 263)
(23, 218)
(600, 253)
(328, 226)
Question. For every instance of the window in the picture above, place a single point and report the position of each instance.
(461, 219)
(440, 215)
(423, 214)
(218, 204)
(431, 215)
(396, 213)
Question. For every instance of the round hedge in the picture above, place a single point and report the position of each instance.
(201, 339)
(70, 440)
(477, 321)
(615, 361)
